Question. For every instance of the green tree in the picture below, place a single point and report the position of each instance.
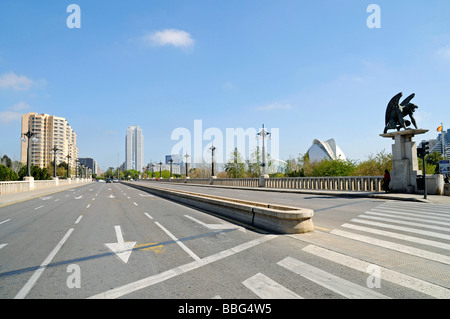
(7, 174)
(235, 167)
(36, 172)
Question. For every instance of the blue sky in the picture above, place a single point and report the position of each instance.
(312, 69)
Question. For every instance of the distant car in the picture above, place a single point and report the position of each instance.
(108, 180)
(115, 180)
(101, 180)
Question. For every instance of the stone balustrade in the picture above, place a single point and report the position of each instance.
(22, 186)
(342, 183)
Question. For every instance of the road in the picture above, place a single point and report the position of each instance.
(114, 241)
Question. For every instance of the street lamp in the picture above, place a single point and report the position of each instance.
(160, 173)
(54, 150)
(212, 148)
(187, 176)
(68, 165)
(153, 170)
(263, 134)
(171, 161)
(31, 137)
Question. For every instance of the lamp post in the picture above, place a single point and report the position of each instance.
(187, 174)
(153, 170)
(54, 149)
(29, 135)
(160, 167)
(212, 148)
(171, 161)
(68, 165)
(263, 134)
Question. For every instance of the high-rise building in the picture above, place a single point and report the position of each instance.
(134, 149)
(50, 131)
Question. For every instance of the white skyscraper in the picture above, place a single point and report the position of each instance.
(134, 148)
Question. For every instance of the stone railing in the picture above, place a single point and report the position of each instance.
(22, 186)
(342, 183)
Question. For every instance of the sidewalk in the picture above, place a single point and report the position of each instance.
(8, 199)
(433, 199)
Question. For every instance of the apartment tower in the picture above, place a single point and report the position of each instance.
(134, 149)
(50, 131)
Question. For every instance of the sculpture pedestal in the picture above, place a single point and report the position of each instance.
(404, 161)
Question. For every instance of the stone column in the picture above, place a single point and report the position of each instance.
(404, 161)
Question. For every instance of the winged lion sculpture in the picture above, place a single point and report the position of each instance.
(396, 112)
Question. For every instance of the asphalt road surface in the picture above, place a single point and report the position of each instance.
(114, 241)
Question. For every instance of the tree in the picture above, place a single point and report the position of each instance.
(37, 173)
(254, 163)
(235, 167)
(7, 174)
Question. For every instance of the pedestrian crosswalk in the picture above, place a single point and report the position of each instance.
(417, 232)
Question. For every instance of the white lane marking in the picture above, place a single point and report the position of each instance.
(34, 278)
(151, 280)
(2, 245)
(135, 204)
(183, 246)
(78, 219)
(39, 207)
(387, 274)
(266, 288)
(5, 221)
(331, 282)
(148, 215)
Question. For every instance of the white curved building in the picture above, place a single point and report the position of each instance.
(321, 150)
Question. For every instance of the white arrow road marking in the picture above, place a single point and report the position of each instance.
(121, 249)
(217, 226)
(2, 245)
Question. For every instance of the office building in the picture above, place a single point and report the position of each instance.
(90, 163)
(134, 149)
(50, 131)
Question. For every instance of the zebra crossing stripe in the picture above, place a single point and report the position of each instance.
(413, 239)
(339, 285)
(393, 220)
(406, 216)
(386, 274)
(266, 288)
(402, 228)
(394, 246)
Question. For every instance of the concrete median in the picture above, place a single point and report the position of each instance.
(274, 218)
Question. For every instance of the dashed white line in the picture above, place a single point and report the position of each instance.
(79, 219)
(32, 281)
(39, 207)
(148, 215)
(5, 221)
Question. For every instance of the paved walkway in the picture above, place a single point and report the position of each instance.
(8, 199)
(435, 199)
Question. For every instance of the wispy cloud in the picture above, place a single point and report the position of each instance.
(173, 37)
(444, 52)
(274, 106)
(13, 113)
(18, 82)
